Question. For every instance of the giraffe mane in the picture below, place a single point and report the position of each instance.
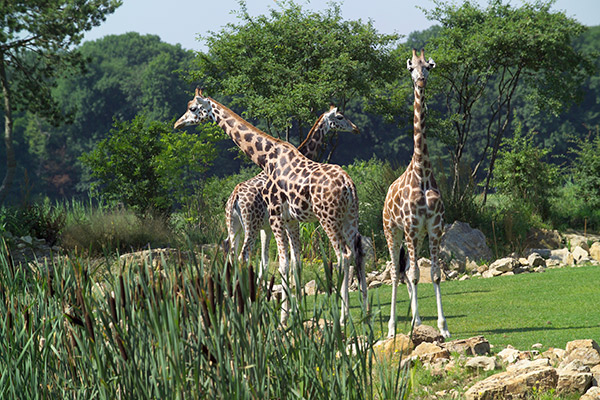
(317, 122)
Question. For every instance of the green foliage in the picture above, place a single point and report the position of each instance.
(523, 176)
(36, 45)
(484, 55)
(39, 220)
(372, 179)
(284, 67)
(586, 171)
(146, 166)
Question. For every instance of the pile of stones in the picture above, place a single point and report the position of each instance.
(573, 370)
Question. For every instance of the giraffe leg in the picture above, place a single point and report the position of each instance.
(284, 263)
(344, 262)
(235, 230)
(265, 239)
(412, 276)
(293, 233)
(436, 277)
(394, 242)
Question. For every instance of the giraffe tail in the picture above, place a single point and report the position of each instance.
(402, 265)
(359, 255)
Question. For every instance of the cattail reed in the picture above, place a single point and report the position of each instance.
(270, 290)
(122, 289)
(113, 308)
(252, 280)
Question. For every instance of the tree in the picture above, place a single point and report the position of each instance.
(285, 67)
(146, 166)
(36, 43)
(484, 55)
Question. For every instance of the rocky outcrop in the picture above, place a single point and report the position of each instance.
(461, 242)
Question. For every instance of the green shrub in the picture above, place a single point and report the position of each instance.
(522, 175)
(586, 171)
(373, 179)
(40, 220)
(147, 167)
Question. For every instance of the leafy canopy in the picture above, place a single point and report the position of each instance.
(287, 66)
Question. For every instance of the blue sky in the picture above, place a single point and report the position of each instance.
(181, 21)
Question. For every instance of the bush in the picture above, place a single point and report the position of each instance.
(147, 167)
(522, 175)
(39, 220)
(586, 172)
(373, 179)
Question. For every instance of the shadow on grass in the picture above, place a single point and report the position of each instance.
(527, 329)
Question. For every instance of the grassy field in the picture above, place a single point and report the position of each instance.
(550, 308)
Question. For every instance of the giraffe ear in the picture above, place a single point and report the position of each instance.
(431, 63)
(331, 106)
(409, 64)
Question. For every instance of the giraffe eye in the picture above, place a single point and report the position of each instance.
(193, 108)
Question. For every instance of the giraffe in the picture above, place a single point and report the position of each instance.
(246, 211)
(296, 190)
(413, 208)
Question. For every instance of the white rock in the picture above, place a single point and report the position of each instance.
(579, 253)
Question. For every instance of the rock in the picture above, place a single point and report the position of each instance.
(574, 378)
(595, 251)
(426, 333)
(526, 365)
(593, 393)
(428, 353)
(393, 348)
(471, 266)
(545, 253)
(503, 264)
(482, 363)
(476, 345)
(575, 239)
(543, 238)
(310, 289)
(509, 355)
(587, 351)
(452, 275)
(535, 260)
(375, 284)
(537, 346)
(460, 242)
(580, 254)
(560, 257)
(555, 355)
(506, 385)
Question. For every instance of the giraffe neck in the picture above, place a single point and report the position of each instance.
(420, 157)
(311, 146)
(252, 141)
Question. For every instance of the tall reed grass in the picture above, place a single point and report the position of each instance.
(188, 329)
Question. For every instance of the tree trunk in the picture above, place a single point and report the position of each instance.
(11, 162)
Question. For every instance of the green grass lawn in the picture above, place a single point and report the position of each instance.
(551, 308)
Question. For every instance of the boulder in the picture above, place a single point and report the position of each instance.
(426, 333)
(587, 351)
(482, 363)
(575, 239)
(506, 385)
(574, 378)
(428, 353)
(555, 355)
(595, 251)
(505, 264)
(509, 355)
(393, 349)
(580, 254)
(460, 242)
(545, 253)
(536, 260)
(526, 365)
(474, 346)
(310, 289)
(543, 239)
(560, 257)
(593, 393)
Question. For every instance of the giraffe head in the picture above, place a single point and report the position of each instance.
(336, 121)
(419, 68)
(199, 109)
